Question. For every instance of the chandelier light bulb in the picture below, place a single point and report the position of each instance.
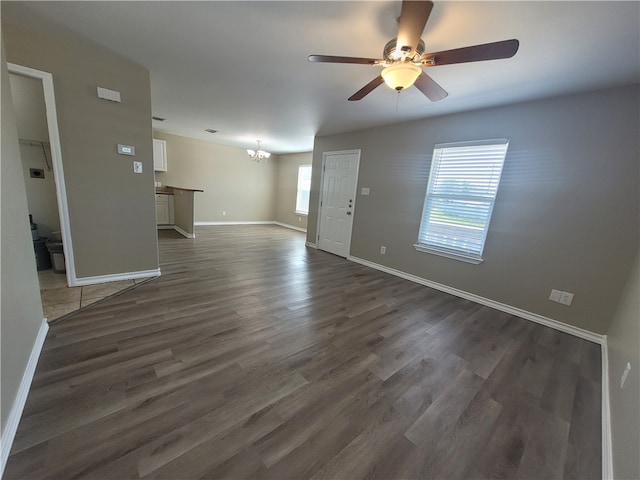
(258, 155)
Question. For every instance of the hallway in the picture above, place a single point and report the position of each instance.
(58, 300)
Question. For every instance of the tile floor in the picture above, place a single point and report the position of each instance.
(59, 300)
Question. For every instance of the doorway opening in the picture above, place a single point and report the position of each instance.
(36, 119)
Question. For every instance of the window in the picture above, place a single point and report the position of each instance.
(304, 187)
(462, 189)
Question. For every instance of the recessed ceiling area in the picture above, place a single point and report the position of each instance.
(241, 68)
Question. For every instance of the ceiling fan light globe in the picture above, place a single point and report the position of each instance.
(401, 75)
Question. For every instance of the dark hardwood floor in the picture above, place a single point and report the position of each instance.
(253, 356)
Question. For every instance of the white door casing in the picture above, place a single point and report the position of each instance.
(56, 160)
(337, 201)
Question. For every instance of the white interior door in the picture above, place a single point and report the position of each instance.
(337, 203)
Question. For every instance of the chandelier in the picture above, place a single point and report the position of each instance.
(258, 155)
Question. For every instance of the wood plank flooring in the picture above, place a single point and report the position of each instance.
(253, 356)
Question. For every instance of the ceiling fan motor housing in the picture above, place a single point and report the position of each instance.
(389, 52)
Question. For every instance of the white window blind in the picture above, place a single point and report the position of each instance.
(304, 187)
(462, 188)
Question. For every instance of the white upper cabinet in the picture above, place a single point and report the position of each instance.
(159, 155)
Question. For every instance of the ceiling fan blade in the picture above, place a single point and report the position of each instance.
(367, 89)
(413, 18)
(476, 53)
(430, 88)
(335, 59)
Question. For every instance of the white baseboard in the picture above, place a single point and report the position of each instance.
(183, 232)
(534, 317)
(292, 227)
(11, 427)
(165, 227)
(311, 245)
(265, 222)
(261, 222)
(607, 448)
(115, 277)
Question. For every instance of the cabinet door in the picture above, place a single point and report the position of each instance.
(159, 155)
(162, 210)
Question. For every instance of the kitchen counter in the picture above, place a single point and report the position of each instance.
(183, 208)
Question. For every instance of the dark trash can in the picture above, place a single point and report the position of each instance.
(57, 255)
(43, 259)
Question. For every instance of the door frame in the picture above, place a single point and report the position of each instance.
(56, 159)
(357, 152)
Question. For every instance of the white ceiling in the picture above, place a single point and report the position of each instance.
(241, 67)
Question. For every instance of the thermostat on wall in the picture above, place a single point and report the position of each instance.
(126, 149)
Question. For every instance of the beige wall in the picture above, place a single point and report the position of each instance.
(287, 188)
(623, 340)
(232, 183)
(30, 110)
(111, 209)
(20, 308)
(566, 215)
(41, 192)
(183, 209)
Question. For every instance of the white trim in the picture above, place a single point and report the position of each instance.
(183, 232)
(460, 256)
(262, 222)
(311, 245)
(115, 277)
(534, 317)
(607, 449)
(11, 427)
(56, 160)
(292, 227)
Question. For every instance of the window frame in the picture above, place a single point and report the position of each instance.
(297, 210)
(441, 249)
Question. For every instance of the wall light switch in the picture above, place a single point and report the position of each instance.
(126, 149)
(555, 295)
(566, 298)
(365, 191)
(137, 167)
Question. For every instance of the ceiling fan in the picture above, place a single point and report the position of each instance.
(404, 57)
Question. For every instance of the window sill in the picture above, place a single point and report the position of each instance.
(304, 214)
(475, 260)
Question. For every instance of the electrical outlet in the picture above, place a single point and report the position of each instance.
(224, 213)
(383, 250)
(625, 374)
(137, 167)
(299, 219)
(555, 295)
